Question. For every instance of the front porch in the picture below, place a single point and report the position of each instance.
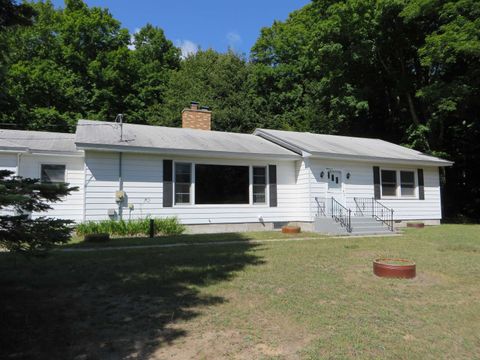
(368, 217)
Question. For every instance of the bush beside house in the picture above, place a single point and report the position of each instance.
(164, 226)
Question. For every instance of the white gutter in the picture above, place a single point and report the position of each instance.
(376, 159)
(49, 153)
(13, 150)
(187, 152)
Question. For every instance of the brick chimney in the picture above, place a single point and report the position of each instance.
(197, 118)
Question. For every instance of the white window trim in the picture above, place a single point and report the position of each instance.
(39, 170)
(192, 186)
(415, 185)
(398, 190)
(174, 179)
(267, 186)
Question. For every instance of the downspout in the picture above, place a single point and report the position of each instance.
(120, 185)
(84, 215)
(19, 157)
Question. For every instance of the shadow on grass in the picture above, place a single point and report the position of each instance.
(109, 305)
(77, 242)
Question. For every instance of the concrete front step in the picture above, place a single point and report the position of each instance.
(371, 232)
(360, 226)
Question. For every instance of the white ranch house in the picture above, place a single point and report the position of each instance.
(219, 181)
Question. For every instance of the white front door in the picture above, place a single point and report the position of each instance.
(335, 186)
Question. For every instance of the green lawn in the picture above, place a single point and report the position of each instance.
(309, 299)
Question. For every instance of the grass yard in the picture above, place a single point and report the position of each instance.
(312, 299)
(77, 241)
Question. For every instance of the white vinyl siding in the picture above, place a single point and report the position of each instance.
(8, 162)
(305, 183)
(143, 185)
(360, 185)
(71, 207)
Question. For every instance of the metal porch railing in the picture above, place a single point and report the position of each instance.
(375, 209)
(342, 215)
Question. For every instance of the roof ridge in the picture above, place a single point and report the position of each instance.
(171, 127)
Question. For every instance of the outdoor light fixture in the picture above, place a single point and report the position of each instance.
(348, 175)
(321, 174)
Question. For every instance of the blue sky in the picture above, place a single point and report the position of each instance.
(208, 23)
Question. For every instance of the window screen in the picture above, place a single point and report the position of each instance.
(259, 185)
(389, 183)
(51, 174)
(183, 179)
(407, 183)
(221, 184)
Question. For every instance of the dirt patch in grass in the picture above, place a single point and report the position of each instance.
(266, 341)
(461, 248)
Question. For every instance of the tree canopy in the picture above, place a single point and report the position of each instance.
(406, 71)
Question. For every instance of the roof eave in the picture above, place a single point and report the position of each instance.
(13, 149)
(185, 152)
(382, 160)
(78, 153)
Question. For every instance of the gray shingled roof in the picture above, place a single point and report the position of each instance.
(333, 146)
(178, 141)
(41, 141)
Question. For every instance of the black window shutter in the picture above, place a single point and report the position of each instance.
(376, 182)
(272, 179)
(421, 185)
(167, 183)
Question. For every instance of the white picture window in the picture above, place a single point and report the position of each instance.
(221, 184)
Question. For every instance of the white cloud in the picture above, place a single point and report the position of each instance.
(131, 46)
(187, 47)
(233, 39)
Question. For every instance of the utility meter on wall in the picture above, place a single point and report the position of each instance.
(119, 196)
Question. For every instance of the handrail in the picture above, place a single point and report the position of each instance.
(342, 215)
(374, 208)
(321, 206)
(360, 208)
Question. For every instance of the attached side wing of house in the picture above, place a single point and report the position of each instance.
(51, 157)
(366, 175)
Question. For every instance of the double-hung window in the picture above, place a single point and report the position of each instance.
(52, 173)
(183, 180)
(398, 183)
(407, 183)
(259, 184)
(389, 183)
